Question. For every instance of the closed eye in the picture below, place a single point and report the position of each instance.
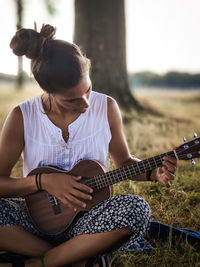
(77, 99)
(72, 100)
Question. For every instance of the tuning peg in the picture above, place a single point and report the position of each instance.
(184, 140)
(195, 135)
(193, 162)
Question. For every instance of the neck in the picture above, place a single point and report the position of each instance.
(51, 108)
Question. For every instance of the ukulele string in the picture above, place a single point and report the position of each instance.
(179, 150)
(156, 160)
(125, 171)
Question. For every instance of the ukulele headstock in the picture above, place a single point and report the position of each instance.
(189, 150)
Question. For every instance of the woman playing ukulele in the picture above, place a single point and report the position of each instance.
(67, 123)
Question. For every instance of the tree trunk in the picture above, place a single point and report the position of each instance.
(100, 32)
(20, 76)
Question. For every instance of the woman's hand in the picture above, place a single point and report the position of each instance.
(166, 173)
(67, 188)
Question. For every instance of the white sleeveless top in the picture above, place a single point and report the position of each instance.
(89, 136)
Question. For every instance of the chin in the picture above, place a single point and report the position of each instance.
(83, 110)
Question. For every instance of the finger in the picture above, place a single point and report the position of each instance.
(76, 201)
(170, 159)
(66, 202)
(77, 178)
(80, 194)
(167, 184)
(167, 173)
(169, 166)
(82, 187)
(170, 176)
(165, 181)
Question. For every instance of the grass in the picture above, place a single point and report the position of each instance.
(147, 136)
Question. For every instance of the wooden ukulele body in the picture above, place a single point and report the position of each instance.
(54, 219)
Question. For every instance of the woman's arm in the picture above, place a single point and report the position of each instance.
(118, 147)
(120, 154)
(11, 146)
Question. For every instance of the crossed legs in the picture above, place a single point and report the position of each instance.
(75, 251)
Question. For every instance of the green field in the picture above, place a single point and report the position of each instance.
(148, 135)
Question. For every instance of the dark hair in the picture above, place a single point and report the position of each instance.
(56, 64)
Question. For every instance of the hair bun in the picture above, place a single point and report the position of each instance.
(25, 42)
(30, 43)
(48, 31)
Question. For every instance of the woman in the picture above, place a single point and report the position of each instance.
(67, 123)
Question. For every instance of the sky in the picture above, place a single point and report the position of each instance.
(162, 35)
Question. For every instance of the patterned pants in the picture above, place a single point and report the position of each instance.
(114, 213)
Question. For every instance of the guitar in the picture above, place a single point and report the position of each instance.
(51, 216)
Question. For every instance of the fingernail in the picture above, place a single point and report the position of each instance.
(75, 209)
(91, 190)
(84, 205)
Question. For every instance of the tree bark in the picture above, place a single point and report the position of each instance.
(100, 32)
(20, 77)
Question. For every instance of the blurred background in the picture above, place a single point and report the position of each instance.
(144, 53)
(161, 36)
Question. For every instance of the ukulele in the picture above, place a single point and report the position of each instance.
(51, 216)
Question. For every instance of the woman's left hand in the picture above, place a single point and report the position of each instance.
(166, 173)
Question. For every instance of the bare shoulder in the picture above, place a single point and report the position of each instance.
(14, 122)
(112, 103)
(16, 113)
(114, 114)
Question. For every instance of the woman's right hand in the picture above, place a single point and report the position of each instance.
(67, 188)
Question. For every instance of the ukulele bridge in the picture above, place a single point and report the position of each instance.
(55, 204)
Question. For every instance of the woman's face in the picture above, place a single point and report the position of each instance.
(75, 99)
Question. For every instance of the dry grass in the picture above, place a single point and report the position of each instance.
(147, 136)
(180, 205)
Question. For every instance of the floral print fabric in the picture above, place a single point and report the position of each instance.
(114, 213)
